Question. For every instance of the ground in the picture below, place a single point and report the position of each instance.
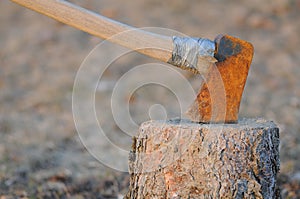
(41, 153)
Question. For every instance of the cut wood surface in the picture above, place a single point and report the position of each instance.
(181, 159)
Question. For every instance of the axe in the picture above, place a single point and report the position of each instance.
(224, 62)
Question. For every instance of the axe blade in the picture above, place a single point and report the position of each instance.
(219, 97)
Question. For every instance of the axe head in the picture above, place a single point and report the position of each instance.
(219, 98)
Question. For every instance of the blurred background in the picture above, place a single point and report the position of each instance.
(41, 155)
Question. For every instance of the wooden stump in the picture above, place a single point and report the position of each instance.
(181, 159)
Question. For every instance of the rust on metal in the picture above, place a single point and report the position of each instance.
(219, 97)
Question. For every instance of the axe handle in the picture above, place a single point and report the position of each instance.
(151, 44)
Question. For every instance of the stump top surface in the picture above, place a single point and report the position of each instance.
(244, 123)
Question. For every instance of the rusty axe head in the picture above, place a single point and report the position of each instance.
(220, 95)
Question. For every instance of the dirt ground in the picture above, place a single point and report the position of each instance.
(41, 154)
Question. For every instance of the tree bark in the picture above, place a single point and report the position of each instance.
(181, 159)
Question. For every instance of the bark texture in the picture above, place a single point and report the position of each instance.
(181, 159)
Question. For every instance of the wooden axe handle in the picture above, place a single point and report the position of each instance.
(151, 44)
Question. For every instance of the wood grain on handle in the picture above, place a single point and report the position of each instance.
(151, 44)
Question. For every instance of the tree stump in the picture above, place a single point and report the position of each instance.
(182, 159)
